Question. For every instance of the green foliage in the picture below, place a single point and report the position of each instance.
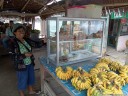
(35, 31)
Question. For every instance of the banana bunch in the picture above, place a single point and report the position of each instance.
(98, 90)
(120, 81)
(123, 69)
(105, 60)
(116, 89)
(80, 72)
(114, 66)
(100, 77)
(81, 83)
(124, 73)
(112, 91)
(96, 70)
(102, 66)
(117, 92)
(58, 68)
(117, 82)
(64, 73)
(112, 84)
(93, 91)
(105, 91)
(111, 75)
(117, 79)
(124, 76)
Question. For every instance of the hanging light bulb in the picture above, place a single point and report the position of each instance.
(8, 1)
(102, 14)
(123, 10)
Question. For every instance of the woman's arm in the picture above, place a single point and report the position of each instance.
(33, 43)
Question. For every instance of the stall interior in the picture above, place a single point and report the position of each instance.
(118, 28)
(113, 32)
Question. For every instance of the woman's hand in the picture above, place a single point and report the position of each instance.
(28, 54)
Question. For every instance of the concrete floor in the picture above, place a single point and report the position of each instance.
(117, 56)
(8, 80)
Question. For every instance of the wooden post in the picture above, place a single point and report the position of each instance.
(66, 7)
(1, 3)
(33, 22)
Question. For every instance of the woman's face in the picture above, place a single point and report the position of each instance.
(20, 33)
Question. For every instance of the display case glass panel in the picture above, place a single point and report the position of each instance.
(74, 40)
(52, 37)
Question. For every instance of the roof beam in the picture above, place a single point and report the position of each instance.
(51, 9)
(25, 5)
(38, 2)
(51, 12)
(11, 13)
(115, 4)
(58, 3)
(44, 6)
(40, 11)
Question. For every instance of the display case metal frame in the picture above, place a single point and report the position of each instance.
(57, 19)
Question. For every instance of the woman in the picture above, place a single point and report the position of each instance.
(23, 60)
(27, 33)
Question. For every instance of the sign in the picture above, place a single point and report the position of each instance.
(123, 21)
(116, 15)
(86, 11)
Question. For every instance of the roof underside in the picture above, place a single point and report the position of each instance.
(45, 9)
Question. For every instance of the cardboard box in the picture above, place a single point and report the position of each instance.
(86, 11)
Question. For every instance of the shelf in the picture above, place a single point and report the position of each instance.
(54, 88)
(82, 55)
(77, 40)
(74, 41)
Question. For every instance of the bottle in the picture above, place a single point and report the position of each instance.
(61, 51)
(90, 46)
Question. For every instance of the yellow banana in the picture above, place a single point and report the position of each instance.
(64, 74)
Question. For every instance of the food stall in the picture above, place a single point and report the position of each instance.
(72, 66)
(118, 32)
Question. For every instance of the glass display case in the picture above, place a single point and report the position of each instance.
(72, 40)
